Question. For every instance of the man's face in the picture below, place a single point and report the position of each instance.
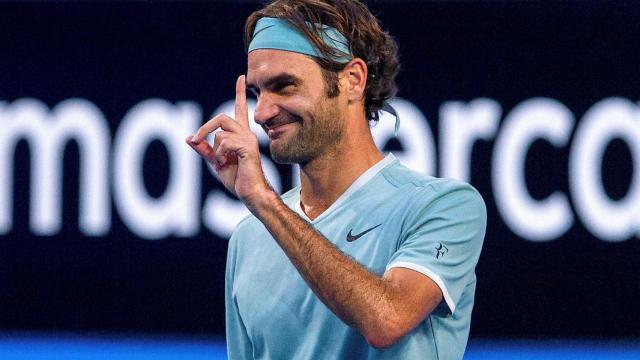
(293, 108)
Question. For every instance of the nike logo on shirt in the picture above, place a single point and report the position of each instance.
(351, 237)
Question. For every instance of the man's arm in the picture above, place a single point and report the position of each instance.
(383, 309)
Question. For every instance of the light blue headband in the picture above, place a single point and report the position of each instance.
(279, 34)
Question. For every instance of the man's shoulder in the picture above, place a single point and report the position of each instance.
(412, 181)
(246, 226)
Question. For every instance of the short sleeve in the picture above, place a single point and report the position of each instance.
(238, 342)
(443, 239)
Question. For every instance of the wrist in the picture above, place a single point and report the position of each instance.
(261, 200)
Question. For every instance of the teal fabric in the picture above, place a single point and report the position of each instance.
(273, 314)
(279, 34)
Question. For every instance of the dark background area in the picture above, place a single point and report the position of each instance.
(116, 54)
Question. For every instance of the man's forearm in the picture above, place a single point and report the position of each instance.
(360, 298)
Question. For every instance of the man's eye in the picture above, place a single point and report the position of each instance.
(283, 87)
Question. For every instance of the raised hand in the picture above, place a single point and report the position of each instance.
(235, 155)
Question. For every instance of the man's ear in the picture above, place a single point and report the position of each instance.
(354, 75)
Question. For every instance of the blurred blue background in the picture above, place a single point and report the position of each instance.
(81, 346)
(113, 235)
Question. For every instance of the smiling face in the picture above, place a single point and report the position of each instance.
(293, 107)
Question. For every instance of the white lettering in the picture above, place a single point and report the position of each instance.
(607, 219)
(461, 124)
(175, 212)
(535, 220)
(72, 119)
(6, 175)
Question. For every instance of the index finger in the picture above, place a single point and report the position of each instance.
(242, 113)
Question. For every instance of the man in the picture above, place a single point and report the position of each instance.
(366, 258)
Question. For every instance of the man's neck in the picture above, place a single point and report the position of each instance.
(324, 179)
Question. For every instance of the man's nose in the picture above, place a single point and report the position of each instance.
(265, 109)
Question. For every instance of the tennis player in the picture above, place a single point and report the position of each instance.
(366, 259)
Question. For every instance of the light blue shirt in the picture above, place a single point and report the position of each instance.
(430, 225)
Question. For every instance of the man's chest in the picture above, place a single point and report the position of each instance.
(272, 297)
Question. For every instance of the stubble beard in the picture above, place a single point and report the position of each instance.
(318, 135)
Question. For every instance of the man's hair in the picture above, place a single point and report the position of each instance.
(362, 30)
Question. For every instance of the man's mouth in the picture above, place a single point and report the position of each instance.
(275, 127)
(275, 131)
